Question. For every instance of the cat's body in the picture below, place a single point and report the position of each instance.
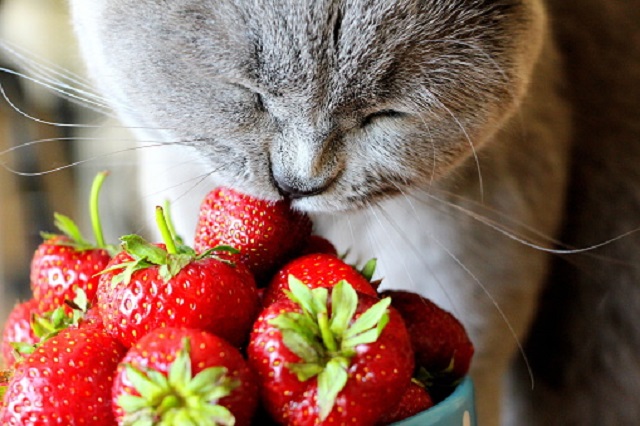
(447, 124)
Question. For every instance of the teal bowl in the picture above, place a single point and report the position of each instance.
(458, 409)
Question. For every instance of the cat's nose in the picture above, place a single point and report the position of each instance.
(291, 191)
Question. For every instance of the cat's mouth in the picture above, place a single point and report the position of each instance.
(332, 202)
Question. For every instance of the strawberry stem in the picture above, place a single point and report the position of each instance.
(167, 236)
(172, 228)
(94, 210)
(325, 332)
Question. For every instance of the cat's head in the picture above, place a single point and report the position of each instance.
(335, 102)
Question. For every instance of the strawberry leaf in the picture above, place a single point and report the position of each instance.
(5, 377)
(371, 318)
(305, 371)
(147, 388)
(180, 369)
(130, 403)
(330, 382)
(178, 398)
(344, 301)
(71, 235)
(139, 248)
(207, 381)
(220, 248)
(216, 415)
(177, 262)
(69, 228)
(21, 349)
(302, 295)
(306, 349)
(369, 269)
(298, 322)
(128, 269)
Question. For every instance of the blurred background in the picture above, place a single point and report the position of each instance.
(45, 167)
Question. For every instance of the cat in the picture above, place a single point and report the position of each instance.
(485, 151)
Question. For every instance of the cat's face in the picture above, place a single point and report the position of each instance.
(338, 101)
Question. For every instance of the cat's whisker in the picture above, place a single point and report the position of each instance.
(98, 107)
(372, 209)
(18, 110)
(513, 235)
(41, 121)
(482, 51)
(478, 282)
(434, 152)
(29, 144)
(194, 182)
(469, 141)
(154, 145)
(25, 56)
(415, 250)
(57, 79)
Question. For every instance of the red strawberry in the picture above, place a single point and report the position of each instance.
(318, 244)
(176, 374)
(5, 377)
(27, 327)
(59, 268)
(66, 381)
(317, 270)
(147, 286)
(415, 400)
(323, 359)
(64, 263)
(17, 329)
(266, 233)
(441, 344)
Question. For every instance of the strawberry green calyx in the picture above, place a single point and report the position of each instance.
(326, 342)
(5, 376)
(146, 255)
(178, 398)
(369, 269)
(49, 324)
(69, 229)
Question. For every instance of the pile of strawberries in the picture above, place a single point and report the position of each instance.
(260, 322)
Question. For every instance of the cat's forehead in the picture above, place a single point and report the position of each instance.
(315, 49)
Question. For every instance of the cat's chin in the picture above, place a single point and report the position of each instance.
(331, 205)
(311, 205)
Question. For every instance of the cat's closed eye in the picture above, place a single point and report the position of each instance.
(254, 95)
(385, 113)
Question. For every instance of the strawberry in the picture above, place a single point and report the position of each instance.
(65, 262)
(27, 328)
(441, 344)
(415, 400)
(338, 358)
(318, 244)
(266, 233)
(319, 270)
(5, 377)
(148, 286)
(175, 375)
(17, 329)
(66, 381)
